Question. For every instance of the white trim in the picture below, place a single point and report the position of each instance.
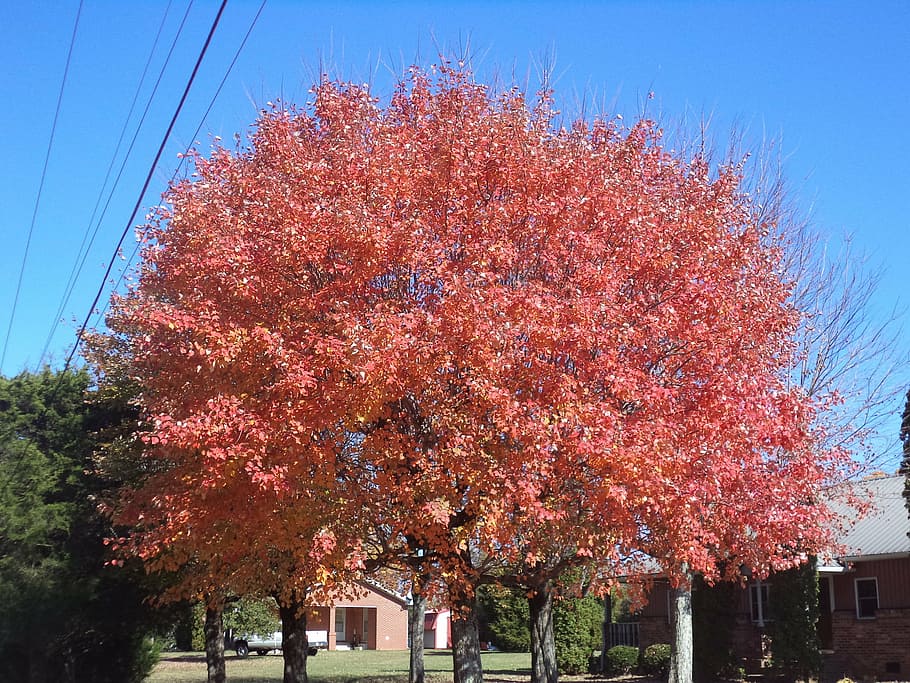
(856, 594)
(759, 618)
(831, 569)
(873, 558)
(830, 581)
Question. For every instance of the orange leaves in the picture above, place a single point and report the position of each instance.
(447, 320)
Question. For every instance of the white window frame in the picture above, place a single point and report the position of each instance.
(756, 588)
(830, 581)
(856, 581)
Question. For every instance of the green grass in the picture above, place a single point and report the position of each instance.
(339, 667)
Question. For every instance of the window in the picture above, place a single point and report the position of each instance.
(866, 598)
(758, 602)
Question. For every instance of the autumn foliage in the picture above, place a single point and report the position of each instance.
(454, 320)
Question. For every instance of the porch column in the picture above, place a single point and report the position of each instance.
(332, 638)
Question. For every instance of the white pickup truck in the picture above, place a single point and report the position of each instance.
(262, 645)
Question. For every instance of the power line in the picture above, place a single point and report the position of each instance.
(148, 179)
(208, 110)
(82, 256)
(47, 156)
(63, 373)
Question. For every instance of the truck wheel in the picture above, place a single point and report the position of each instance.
(262, 652)
(241, 649)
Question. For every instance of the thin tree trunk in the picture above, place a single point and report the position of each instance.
(544, 668)
(295, 644)
(466, 643)
(605, 637)
(214, 641)
(681, 613)
(416, 615)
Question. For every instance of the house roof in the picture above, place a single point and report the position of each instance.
(883, 531)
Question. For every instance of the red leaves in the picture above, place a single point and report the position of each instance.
(447, 318)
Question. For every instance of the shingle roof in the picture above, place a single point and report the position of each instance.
(883, 531)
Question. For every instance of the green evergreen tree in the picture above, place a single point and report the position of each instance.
(505, 617)
(65, 615)
(792, 629)
(713, 620)
(577, 624)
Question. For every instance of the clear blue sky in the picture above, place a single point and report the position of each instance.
(831, 78)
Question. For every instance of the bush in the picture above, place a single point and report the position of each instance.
(792, 633)
(655, 660)
(505, 618)
(577, 631)
(714, 611)
(621, 659)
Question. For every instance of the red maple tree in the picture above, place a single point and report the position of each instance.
(454, 321)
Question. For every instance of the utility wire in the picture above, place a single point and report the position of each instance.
(82, 253)
(148, 179)
(47, 156)
(227, 73)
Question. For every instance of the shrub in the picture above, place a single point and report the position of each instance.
(655, 660)
(577, 631)
(714, 611)
(505, 618)
(621, 659)
(792, 633)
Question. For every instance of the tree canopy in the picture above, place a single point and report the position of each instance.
(458, 322)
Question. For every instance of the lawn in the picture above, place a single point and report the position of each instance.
(363, 666)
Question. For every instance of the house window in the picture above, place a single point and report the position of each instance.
(866, 598)
(758, 602)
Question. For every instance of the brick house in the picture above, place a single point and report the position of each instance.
(864, 597)
(376, 619)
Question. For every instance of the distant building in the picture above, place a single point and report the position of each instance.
(864, 598)
(437, 632)
(377, 620)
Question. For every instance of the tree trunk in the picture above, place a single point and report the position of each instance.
(605, 636)
(681, 615)
(214, 642)
(416, 615)
(466, 643)
(294, 641)
(544, 668)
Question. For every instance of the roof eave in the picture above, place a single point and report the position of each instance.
(872, 558)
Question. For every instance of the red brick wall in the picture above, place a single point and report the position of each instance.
(864, 647)
(653, 630)
(391, 627)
